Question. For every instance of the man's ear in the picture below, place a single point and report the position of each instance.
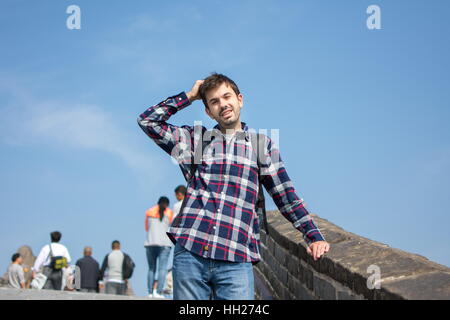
(241, 100)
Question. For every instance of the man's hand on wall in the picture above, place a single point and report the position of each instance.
(318, 248)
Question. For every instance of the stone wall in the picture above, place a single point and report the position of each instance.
(346, 271)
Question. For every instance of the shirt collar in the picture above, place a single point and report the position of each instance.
(239, 134)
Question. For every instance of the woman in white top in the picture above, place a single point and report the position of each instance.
(158, 244)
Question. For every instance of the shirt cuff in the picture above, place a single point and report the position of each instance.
(313, 236)
(181, 100)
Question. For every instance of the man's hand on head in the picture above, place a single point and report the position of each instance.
(194, 93)
(317, 249)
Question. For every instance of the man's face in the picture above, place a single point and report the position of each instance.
(19, 260)
(224, 105)
(179, 196)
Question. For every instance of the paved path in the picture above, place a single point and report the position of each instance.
(18, 294)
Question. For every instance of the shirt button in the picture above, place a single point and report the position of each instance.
(218, 210)
(225, 176)
(206, 248)
(214, 227)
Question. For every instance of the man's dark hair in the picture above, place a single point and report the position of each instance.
(212, 82)
(181, 189)
(15, 256)
(115, 243)
(55, 236)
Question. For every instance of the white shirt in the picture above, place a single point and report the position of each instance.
(43, 258)
(176, 208)
(115, 262)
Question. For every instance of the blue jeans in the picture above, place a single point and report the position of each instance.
(170, 262)
(198, 278)
(157, 257)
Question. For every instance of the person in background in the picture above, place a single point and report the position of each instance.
(158, 244)
(68, 279)
(16, 277)
(180, 193)
(114, 261)
(28, 260)
(55, 249)
(89, 271)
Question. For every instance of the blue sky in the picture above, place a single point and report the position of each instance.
(363, 114)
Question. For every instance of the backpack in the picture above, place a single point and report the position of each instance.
(127, 267)
(58, 262)
(260, 205)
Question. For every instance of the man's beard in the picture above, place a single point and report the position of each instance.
(229, 122)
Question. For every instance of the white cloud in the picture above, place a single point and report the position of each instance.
(28, 121)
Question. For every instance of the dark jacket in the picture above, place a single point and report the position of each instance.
(89, 272)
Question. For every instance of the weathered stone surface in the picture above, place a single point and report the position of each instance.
(262, 287)
(262, 235)
(403, 275)
(305, 276)
(323, 289)
(293, 266)
(347, 295)
(428, 286)
(271, 246)
(303, 293)
(30, 294)
(281, 254)
(28, 261)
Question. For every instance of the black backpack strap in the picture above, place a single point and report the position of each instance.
(51, 252)
(197, 155)
(261, 202)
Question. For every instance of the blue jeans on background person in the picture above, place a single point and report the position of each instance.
(198, 278)
(157, 258)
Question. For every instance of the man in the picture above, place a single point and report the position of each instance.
(180, 193)
(54, 249)
(217, 231)
(28, 260)
(114, 262)
(89, 271)
(16, 276)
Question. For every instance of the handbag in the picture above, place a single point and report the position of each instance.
(39, 281)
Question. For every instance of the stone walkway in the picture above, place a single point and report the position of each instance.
(30, 294)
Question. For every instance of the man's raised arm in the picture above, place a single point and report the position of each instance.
(153, 121)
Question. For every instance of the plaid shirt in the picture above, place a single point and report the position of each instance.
(219, 219)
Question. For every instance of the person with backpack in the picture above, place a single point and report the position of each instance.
(157, 244)
(119, 266)
(51, 260)
(216, 233)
